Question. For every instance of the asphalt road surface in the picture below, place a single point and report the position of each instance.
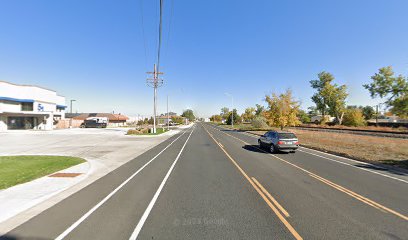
(212, 183)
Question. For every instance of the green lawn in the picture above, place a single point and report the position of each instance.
(20, 169)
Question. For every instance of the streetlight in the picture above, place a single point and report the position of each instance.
(72, 100)
(232, 113)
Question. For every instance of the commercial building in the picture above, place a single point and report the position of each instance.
(115, 120)
(29, 107)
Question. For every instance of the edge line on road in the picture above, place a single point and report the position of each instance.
(93, 209)
(354, 195)
(333, 160)
(149, 208)
(265, 198)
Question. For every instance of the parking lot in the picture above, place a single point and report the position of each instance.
(103, 148)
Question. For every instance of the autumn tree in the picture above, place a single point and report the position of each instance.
(354, 117)
(329, 98)
(282, 110)
(249, 114)
(393, 88)
(216, 118)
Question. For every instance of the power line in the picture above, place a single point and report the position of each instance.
(169, 27)
(160, 35)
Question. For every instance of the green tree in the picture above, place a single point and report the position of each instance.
(249, 114)
(177, 119)
(303, 116)
(354, 117)
(146, 121)
(393, 88)
(259, 110)
(313, 111)
(368, 112)
(189, 114)
(224, 112)
(150, 121)
(237, 118)
(282, 110)
(330, 98)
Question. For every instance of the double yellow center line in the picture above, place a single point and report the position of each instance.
(267, 197)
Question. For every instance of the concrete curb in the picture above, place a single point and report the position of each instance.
(18, 198)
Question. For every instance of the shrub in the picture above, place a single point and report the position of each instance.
(133, 132)
(259, 122)
(354, 117)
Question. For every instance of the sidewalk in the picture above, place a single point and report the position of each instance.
(104, 153)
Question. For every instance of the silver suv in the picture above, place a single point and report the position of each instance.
(279, 141)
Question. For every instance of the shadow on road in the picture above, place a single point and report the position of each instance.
(255, 148)
(9, 237)
(385, 168)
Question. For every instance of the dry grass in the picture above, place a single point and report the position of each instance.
(371, 128)
(393, 151)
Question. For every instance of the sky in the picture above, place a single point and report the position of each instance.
(98, 52)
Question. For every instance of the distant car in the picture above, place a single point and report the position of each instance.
(279, 141)
(95, 122)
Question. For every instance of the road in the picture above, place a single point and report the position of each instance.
(212, 183)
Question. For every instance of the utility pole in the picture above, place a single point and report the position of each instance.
(168, 118)
(376, 116)
(72, 100)
(155, 82)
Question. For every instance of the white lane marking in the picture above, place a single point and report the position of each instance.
(149, 208)
(344, 163)
(351, 165)
(86, 215)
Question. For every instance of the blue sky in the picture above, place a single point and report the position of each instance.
(93, 51)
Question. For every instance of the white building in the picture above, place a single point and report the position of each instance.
(29, 107)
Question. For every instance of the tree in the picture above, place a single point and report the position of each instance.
(150, 121)
(259, 110)
(224, 112)
(259, 122)
(337, 101)
(354, 117)
(368, 112)
(393, 88)
(189, 114)
(177, 119)
(303, 116)
(320, 98)
(313, 111)
(237, 118)
(282, 110)
(216, 118)
(249, 114)
(329, 98)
